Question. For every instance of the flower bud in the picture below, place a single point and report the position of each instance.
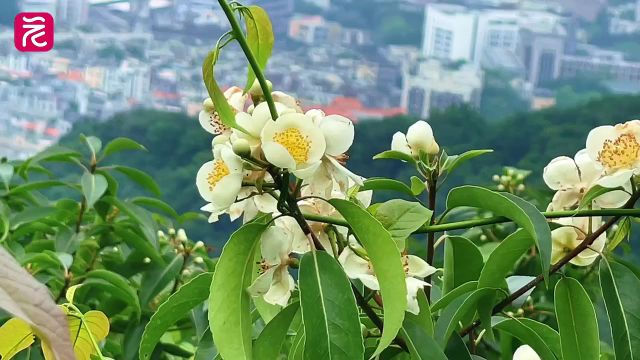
(241, 147)
(115, 249)
(181, 247)
(510, 313)
(207, 105)
(521, 187)
(501, 187)
(161, 234)
(146, 260)
(520, 312)
(510, 172)
(198, 260)
(483, 237)
(186, 272)
(198, 245)
(496, 177)
(220, 139)
(256, 90)
(182, 235)
(172, 231)
(420, 138)
(520, 176)
(505, 178)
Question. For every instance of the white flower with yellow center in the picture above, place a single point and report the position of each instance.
(571, 234)
(617, 150)
(294, 143)
(419, 139)
(525, 352)
(210, 119)
(573, 178)
(274, 283)
(220, 180)
(254, 123)
(414, 267)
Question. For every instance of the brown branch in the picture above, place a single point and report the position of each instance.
(557, 266)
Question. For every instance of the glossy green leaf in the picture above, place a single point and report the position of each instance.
(6, 173)
(622, 232)
(401, 218)
(224, 110)
(155, 204)
(137, 242)
(37, 185)
(421, 345)
(543, 339)
(93, 143)
(417, 186)
(157, 279)
(121, 144)
(463, 262)
(620, 292)
(386, 262)
(259, 37)
(510, 206)
(423, 318)
(397, 155)
(229, 303)
(577, 322)
(453, 161)
(173, 309)
(503, 259)
(296, 350)
(329, 310)
(113, 284)
(16, 335)
(140, 177)
(206, 348)
(141, 216)
(269, 342)
(457, 349)
(445, 300)
(386, 184)
(593, 193)
(93, 187)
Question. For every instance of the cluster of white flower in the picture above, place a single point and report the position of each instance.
(610, 159)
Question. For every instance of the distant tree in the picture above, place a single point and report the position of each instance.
(499, 99)
(9, 10)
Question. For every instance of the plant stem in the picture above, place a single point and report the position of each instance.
(557, 266)
(431, 236)
(253, 62)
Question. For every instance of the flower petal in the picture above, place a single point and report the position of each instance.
(338, 133)
(597, 138)
(262, 283)
(275, 245)
(561, 173)
(565, 199)
(413, 286)
(525, 352)
(418, 267)
(281, 287)
(278, 155)
(420, 138)
(308, 170)
(590, 170)
(618, 178)
(225, 192)
(358, 268)
(399, 143)
(211, 123)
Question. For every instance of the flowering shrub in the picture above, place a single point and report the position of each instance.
(317, 270)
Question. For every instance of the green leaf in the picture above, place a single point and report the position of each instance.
(156, 204)
(16, 336)
(206, 349)
(593, 193)
(387, 265)
(512, 207)
(6, 173)
(139, 215)
(269, 343)
(503, 259)
(121, 144)
(136, 242)
(259, 37)
(463, 262)
(38, 185)
(577, 321)
(444, 301)
(417, 186)
(94, 144)
(396, 155)
(421, 345)
(115, 285)
(620, 292)
(329, 310)
(93, 187)
(543, 339)
(224, 110)
(453, 161)
(139, 177)
(157, 279)
(401, 218)
(622, 232)
(423, 318)
(296, 350)
(229, 303)
(173, 309)
(456, 348)
(386, 184)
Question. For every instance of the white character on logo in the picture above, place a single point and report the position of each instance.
(38, 29)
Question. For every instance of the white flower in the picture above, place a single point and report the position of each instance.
(210, 119)
(617, 150)
(286, 99)
(220, 180)
(573, 178)
(525, 352)
(251, 205)
(571, 234)
(295, 143)
(254, 123)
(274, 283)
(419, 139)
(358, 268)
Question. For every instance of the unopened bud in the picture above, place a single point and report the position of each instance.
(510, 313)
(207, 105)
(256, 90)
(146, 260)
(501, 187)
(520, 312)
(115, 249)
(198, 260)
(181, 247)
(172, 231)
(241, 147)
(521, 187)
(220, 139)
(520, 176)
(495, 177)
(510, 172)
(483, 237)
(182, 235)
(198, 245)
(505, 178)
(186, 272)
(161, 234)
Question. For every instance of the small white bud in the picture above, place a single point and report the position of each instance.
(207, 105)
(510, 313)
(521, 187)
(505, 178)
(510, 172)
(115, 249)
(520, 312)
(256, 90)
(520, 176)
(146, 260)
(172, 231)
(483, 237)
(501, 187)
(182, 235)
(241, 147)
(181, 247)
(198, 260)
(198, 245)
(495, 177)
(186, 272)
(161, 234)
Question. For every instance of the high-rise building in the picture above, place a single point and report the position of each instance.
(49, 6)
(541, 50)
(72, 13)
(449, 32)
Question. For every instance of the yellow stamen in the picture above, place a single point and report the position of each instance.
(220, 170)
(619, 153)
(297, 144)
